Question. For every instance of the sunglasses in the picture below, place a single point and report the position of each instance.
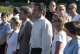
(56, 20)
(53, 5)
(71, 8)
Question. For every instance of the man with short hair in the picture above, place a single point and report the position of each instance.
(73, 12)
(16, 11)
(41, 35)
(51, 11)
(25, 30)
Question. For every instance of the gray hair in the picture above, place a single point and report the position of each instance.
(26, 10)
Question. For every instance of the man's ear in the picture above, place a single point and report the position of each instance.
(42, 12)
(27, 15)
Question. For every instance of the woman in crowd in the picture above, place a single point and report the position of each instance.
(73, 30)
(59, 41)
(13, 37)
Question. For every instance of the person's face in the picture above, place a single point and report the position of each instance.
(68, 33)
(72, 9)
(52, 6)
(55, 23)
(22, 15)
(36, 12)
(13, 25)
(61, 11)
(4, 19)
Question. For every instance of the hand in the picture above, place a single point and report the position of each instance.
(14, 52)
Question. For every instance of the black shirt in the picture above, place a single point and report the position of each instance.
(49, 15)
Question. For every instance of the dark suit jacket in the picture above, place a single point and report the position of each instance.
(24, 38)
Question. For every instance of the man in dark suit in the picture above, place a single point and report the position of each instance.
(25, 31)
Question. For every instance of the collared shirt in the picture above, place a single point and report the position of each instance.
(72, 47)
(24, 23)
(41, 35)
(4, 29)
(17, 16)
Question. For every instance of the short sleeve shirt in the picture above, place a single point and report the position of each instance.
(4, 29)
(59, 37)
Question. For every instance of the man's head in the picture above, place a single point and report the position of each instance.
(52, 6)
(61, 9)
(25, 12)
(39, 10)
(72, 8)
(16, 10)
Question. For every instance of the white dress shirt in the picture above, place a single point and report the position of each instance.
(17, 16)
(12, 42)
(41, 35)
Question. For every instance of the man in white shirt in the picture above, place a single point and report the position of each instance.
(41, 35)
(16, 12)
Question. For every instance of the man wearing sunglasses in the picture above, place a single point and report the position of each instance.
(72, 12)
(52, 9)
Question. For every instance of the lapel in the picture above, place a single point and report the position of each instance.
(22, 33)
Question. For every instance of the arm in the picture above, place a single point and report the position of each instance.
(7, 32)
(4, 41)
(46, 38)
(58, 47)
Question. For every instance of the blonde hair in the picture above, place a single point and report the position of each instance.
(65, 13)
(60, 7)
(16, 21)
(74, 5)
(63, 21)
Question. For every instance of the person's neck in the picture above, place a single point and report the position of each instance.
(39, 17)
(15, 29)
(73, 14)
(4, 23)
(25, 19)
(74, 37)
(52, 10)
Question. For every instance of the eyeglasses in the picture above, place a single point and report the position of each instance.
(53, 5)
(71, 8)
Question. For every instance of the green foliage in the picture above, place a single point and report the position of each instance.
(7, 9)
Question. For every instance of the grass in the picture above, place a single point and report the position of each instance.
(8, 8)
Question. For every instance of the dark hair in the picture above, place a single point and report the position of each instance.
(73, 27)
(4, 14)
(27, 10)
(16, 10)
(42, 6)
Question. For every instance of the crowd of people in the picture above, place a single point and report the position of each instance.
(33, 30)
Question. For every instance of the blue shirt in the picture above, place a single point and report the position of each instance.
(72, 47)
(4, 29)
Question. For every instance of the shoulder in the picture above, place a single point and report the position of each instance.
(30, 23)
(46, 21)
(8, 24)
(78, 41)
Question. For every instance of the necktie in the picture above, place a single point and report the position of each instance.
(21, 29)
